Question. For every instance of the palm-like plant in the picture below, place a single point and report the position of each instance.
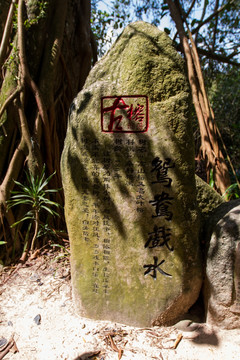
(34, 195)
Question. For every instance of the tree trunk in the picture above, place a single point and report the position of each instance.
(43, 70)
(210, 150)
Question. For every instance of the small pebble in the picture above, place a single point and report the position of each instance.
(37, 319)
(39, 282)
(10, 323)
(35, 277)
(3, 342)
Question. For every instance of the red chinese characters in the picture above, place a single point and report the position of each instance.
(124, 114)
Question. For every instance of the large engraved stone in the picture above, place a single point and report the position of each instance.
(128, 177)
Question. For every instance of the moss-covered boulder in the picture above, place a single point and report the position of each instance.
(207, 199)
(128, 177)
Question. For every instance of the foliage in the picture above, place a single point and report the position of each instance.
(233, 192)
(106, 24)
(211, 180)
(222, 33)
(214, 35)
(64, 251)
(224, 92)
(34, 195)
(40, 8)
(100, 21)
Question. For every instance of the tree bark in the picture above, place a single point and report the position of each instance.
(209, 145)
(42, 72)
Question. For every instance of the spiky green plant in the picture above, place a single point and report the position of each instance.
(232, 192)
(35, 196)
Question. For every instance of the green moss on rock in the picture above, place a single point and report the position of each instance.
(207, 198)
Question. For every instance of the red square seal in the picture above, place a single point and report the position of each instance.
(124, 114)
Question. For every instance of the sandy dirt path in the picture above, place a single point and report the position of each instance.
(37, 309)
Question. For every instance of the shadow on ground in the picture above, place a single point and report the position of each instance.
(88, 355)
(205, 337)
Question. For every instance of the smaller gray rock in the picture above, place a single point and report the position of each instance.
(35, 277)
(222, 282)
(186, 325)
(3, 342)
(37, 319)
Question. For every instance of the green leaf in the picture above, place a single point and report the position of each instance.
(52, 212)
(21, 196)
(18, 202)
(50, 202)
(42, 185)
(211, 181)
(232, 191)
(61, 247)
(52, 190)
(21, 220)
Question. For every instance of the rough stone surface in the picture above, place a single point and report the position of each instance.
(222, 282)
(207, 198)
(133, 221)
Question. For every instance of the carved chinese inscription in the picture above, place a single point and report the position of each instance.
(160, 168)
(159, 237)
(106, 169)
(162, 202)
(124, 114)
(153, 268)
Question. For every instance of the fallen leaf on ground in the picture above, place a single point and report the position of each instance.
(115, 348)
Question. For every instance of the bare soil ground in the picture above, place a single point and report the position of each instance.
(37, 311)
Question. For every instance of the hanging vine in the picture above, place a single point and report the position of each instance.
(210, 150)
